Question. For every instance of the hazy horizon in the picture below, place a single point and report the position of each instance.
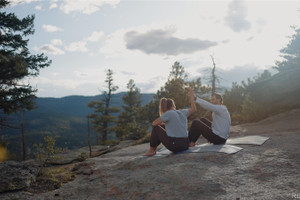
(141, 40)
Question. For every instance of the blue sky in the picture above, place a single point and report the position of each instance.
(141, 40)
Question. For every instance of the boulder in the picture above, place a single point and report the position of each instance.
(17, 175)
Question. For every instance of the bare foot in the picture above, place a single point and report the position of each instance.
(151, 152)
(192, 144)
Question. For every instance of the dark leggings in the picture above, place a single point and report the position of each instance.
(203, 127)
(159, 135)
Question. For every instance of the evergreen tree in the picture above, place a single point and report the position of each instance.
(150, 111)
(175, 88)
(17, 63)
(234, 98)
(102, 117)
(290, 53)
(131, 123)
(132, 100)
(242, 104)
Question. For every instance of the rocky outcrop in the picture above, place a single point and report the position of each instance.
(81, 154)
(20, 175)
(17, 175)
(270, 171)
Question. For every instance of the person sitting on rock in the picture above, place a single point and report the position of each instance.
(170, 128)
(217, 131)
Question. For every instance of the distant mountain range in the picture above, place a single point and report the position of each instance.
(64, 117)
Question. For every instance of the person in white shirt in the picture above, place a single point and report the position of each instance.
(217, 131)
(171, 128)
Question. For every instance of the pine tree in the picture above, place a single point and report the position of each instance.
(290, 54)
(131, 123)
(17, 63)
(175, 88)
(242, 104)
(102, 117)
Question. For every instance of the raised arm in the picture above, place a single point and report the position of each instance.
(192, 100)
(207, 105)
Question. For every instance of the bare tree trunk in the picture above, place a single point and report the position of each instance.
(107, 102)
(105, 110)
(97, 138)
(213, 76)
(23, 138)
(104, 133)
(90, 148)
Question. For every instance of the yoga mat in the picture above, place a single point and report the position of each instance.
(253, 139)
(224, 148)
(228, 148)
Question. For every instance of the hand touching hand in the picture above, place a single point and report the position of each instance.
(191, 93)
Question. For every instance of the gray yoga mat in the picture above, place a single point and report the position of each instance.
(228, 148)
(252, 139)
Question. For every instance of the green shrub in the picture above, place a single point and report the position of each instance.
(110, 142)
(82, 157)
(47, 152)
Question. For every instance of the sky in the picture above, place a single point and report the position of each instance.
(141, 40)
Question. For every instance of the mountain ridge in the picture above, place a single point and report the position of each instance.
(63, 117)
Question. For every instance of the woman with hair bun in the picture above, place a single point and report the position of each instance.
(170, 128)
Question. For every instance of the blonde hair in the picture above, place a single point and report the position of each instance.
(165, 104)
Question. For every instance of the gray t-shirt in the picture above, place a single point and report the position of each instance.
(176, 122)
(221, 118)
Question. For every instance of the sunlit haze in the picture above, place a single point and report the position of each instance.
(141, 40)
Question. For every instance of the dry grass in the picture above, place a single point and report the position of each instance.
(52, 178)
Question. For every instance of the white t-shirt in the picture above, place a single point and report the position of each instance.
(176, 122)
(221, 118)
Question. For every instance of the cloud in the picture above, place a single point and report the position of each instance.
(127, 73)
(50, 28)
(77, 46)
(236, 16)
(80, 74)
(250, 38)
(147, 87)
(49, 49)
(38, 7)
(68, 6)
(162, 42)
(85, 7)
(57, 42)
(95, 36)
(16, 2)
(53, 5)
